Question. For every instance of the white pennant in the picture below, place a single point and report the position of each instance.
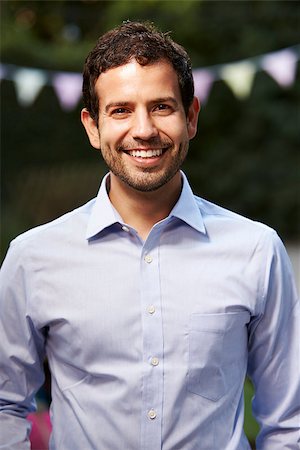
(239, 77)
(28, 83)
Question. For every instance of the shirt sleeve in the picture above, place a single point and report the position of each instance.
(274, 354)
(21, 353)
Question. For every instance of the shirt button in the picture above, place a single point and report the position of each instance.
(151, 309)
(148, 259)
(154, 361)
(124, 228)
(151, 414)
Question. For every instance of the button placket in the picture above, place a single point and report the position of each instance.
(152, 345)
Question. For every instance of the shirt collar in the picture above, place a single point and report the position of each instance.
(104, 215)
(187, 208)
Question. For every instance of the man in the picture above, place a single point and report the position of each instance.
(150, 303)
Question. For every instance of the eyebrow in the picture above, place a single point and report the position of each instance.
(116, 105)
(154, 101)
(166, 99)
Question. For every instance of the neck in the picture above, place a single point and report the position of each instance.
(142, 210)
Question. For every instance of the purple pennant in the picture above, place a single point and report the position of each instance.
(203, 80)
(68, 87)
(281, 66)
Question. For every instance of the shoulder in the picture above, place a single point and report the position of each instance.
(45, 245)
(67, 224)
(214, 214)
(240, 233)
(256, 244)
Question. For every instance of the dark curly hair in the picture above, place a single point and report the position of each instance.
(144, 43)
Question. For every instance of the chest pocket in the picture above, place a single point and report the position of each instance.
(217, 352)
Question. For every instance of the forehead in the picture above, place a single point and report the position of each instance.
(133, 82)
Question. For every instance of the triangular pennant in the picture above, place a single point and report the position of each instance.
(29, 83)
(203, 80)
(281, 66)
(68, 87)
(239, 77)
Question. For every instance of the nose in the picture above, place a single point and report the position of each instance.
(143, 126)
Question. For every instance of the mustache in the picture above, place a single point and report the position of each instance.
(152, 143)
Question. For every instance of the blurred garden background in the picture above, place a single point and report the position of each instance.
(245, 56)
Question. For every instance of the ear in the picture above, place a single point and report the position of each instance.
(192, 117)
(91, 128)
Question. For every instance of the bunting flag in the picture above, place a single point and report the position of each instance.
(281, 66)
(68, 89)
(239, 76)
(28, 83)
(203, 81)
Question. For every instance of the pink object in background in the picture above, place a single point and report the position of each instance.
(41, 429)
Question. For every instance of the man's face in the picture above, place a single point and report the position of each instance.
(143, 131)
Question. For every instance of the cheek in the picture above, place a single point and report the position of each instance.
(112, 133)
(180, 135)
(175, 129)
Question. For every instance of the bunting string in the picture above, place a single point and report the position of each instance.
(281, 65)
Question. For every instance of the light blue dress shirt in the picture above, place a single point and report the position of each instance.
(149, 342)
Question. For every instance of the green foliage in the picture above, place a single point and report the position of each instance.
(251, 427)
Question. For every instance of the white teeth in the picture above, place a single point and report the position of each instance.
(145, 153)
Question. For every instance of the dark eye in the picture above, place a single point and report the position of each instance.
(162, 107)
(119, 111)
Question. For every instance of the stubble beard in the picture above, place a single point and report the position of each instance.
(145, 179)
